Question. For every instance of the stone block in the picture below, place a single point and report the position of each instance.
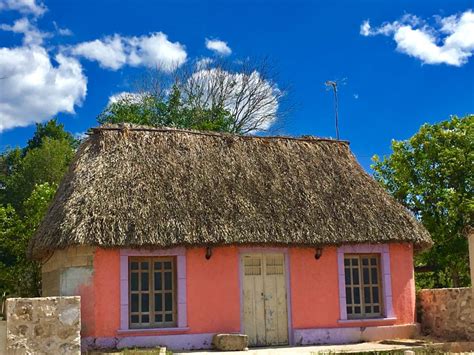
(447, 313)
(44, 325)
(3, 337)
(230, 342)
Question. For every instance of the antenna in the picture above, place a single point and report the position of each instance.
(333, 84)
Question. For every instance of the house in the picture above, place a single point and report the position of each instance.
(170, 236)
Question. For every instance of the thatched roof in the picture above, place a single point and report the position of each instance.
(145, 187)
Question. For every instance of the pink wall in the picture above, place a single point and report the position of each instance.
(322, 298)
(215, 285)
(216, 282)
(403, 282)
(314, 288)
(107, 292)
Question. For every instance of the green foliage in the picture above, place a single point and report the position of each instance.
(46, 163)
(432, 175)
(28, 181)
(52, 130)
(18, 275)
(172, 111)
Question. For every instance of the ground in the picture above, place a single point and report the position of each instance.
(398, 347)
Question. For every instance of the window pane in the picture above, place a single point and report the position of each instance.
(145, 302)
(168, 280)
(376, 309)
(134, 319)
(167, 265)
(158, 281)
(134, 301)
(168, 301)
(144, 265)
(355, 262)
(145, 318)
(168, 318)
(367, 294)
(357, 310)
(355, 276)
(348, 276)
(375, 291)
(349, 310)
(134, 265)
(158, 265)
(134, 281)
(365, 273)
(158, 302)
(375, 279)
(348, 295)
(347, 262)
(365, 261)
(368, 309)
(357, 295)
(373, 261)
(144, 281)
(159, 318)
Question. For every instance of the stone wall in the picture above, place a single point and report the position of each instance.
(447, 313)
(3, 337)
(45, 325)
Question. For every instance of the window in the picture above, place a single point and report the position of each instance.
(363, 285)
(152, 292)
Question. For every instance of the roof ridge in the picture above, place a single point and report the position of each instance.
(303, 138)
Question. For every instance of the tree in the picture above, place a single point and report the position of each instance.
(18, 275)
(28, 180)
(45, 163)
(432, 175)
(227, 97)
(51, 129)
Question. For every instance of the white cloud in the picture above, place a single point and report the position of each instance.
(26, 7)
(417, 39)
(109, 52)
(33, 89)
(31, 34)
(152, 51)
(356, 96)
(126, 97)
(203, 63)
(218, 46)
(62, 31)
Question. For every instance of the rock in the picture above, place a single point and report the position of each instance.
(230, 342)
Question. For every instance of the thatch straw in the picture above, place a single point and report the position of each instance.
(143, 187)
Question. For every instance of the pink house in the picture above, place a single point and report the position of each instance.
(171, 236)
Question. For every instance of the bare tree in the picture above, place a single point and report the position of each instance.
(247, 90)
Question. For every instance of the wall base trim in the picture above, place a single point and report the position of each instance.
(347, 335)
(316, 336)
(171, 341)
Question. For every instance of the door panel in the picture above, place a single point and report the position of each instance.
(253, 300)
(264, 299)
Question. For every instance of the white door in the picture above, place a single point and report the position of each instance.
(264, 299)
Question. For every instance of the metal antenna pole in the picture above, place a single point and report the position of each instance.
(333, 84)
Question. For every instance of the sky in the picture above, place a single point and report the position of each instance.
(398, 64)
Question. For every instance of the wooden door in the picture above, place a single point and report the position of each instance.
(264, 299)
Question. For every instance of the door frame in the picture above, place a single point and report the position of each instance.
(286, 256)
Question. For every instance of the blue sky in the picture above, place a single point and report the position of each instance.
(409, 64)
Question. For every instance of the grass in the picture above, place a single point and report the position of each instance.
(145, 352)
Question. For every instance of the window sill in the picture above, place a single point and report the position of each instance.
(366, 320)
(153, 330)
